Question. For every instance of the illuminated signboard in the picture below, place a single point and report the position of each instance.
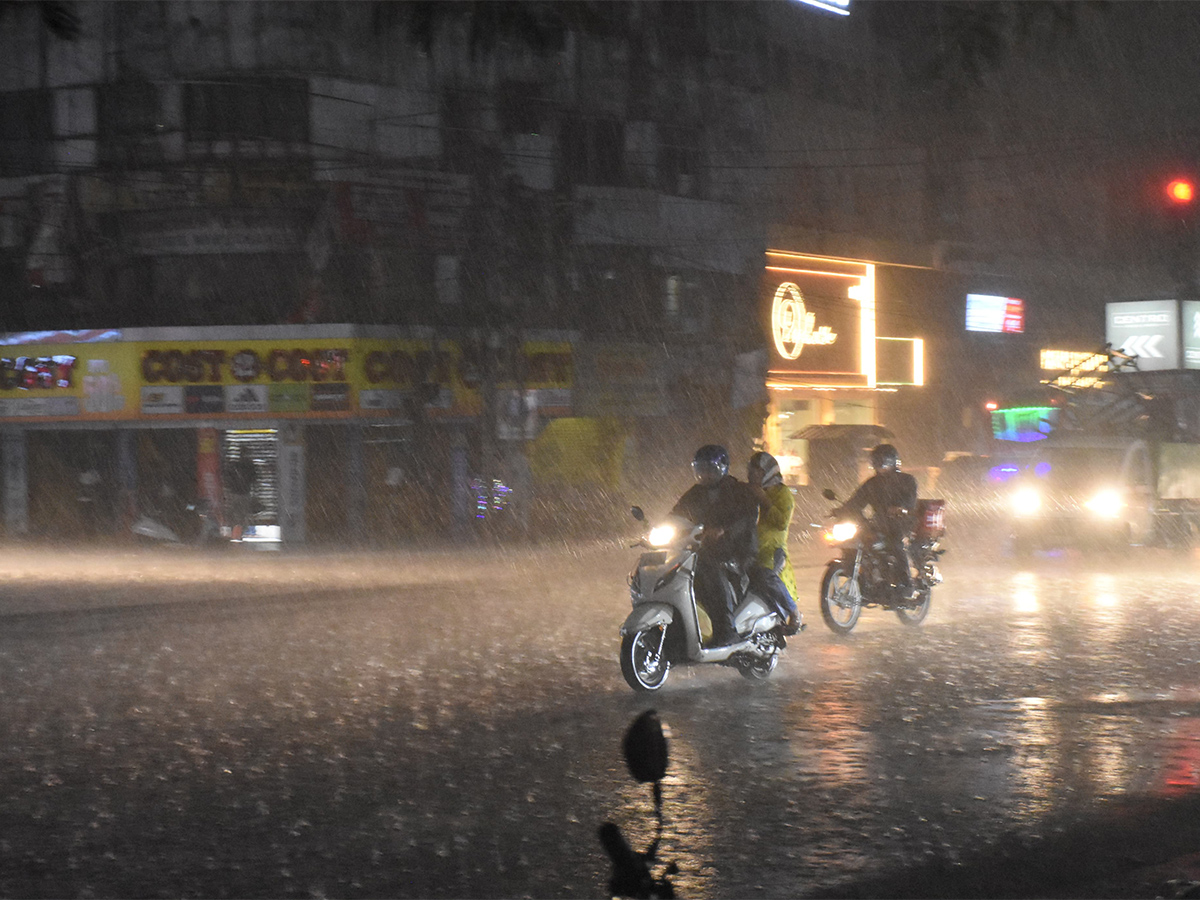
(1024, 424)
(334, 373)
(1082, 368)
(1147, 329)
(838, 7)
(1191, 334)
(792, 325)
(997, 314)
(818, 315)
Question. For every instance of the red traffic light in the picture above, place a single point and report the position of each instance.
(1181, 191)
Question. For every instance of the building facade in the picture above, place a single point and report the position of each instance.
(629, 177)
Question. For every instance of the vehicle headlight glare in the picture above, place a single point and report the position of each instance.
(661, 535)
(1026, 501)
(1106, 504)
(843, 531)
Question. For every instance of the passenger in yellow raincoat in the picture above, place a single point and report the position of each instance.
(775, 505)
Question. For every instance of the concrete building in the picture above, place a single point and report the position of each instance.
(499, 179)
(485, 173)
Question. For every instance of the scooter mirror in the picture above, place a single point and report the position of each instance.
(828, 494)
(637, 513)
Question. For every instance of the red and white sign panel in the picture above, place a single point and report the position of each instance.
(986, 312)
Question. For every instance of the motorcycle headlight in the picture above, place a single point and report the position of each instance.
(1106, 504)
(1026, 501)
(843, 531)
(661, 535)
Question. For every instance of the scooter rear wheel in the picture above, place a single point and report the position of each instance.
(758, 670)
(641, 664)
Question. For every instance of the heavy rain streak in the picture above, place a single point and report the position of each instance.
(599, 449)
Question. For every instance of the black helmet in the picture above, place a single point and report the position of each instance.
(884, 458)
(710, 464)
(766, 464)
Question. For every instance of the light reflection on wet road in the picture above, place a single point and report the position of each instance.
(449, 725)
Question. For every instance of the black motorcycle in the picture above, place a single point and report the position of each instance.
(865, 573)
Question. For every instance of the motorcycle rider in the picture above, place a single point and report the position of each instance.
(892, 496)
(773, 576)
(728, 510)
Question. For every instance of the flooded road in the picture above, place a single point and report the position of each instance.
(448, 724)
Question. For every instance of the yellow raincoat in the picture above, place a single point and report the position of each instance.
(773, 523)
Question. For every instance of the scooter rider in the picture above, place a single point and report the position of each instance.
(773, 576)
(728, 510)
(892, 496)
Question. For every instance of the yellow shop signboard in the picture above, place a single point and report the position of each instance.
(285, 371)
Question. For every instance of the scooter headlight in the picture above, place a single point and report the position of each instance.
(1026, 501)
(843, 531)
(661, 535)
(1107, 504)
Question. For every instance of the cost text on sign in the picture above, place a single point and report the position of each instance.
(194, 366)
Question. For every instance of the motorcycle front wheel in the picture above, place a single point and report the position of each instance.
(641, 659)
(841, 602)
(915, 615)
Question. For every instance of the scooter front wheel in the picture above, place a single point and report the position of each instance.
(642, 662)
(841, 601)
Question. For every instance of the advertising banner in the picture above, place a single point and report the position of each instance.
(1147, 329)
(324, 374)
(1191, 334)
(85, 380)
(547, 376)
(818, 317)
(208, 466)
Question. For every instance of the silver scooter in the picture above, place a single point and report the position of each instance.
(665, 626)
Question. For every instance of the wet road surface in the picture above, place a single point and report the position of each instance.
(448, 724)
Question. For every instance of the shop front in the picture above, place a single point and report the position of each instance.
(828, 366)
(283, 432)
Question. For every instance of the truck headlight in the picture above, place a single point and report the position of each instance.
(842, 532)
(1026, 501)
(661, 535)
(1106, 504)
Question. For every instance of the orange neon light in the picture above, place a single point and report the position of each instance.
(813, 272)
(845, 259)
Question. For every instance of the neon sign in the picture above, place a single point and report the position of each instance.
(793, 325)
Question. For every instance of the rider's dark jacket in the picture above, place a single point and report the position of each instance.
(885, 492)
(728, 504)
(731, 505)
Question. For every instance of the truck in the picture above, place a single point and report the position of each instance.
(1111, 464)
(1105, 491)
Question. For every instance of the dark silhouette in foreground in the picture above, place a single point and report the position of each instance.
(645, 747)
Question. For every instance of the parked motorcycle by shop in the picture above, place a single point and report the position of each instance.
(667, 627)
(864, 573)
(194, 523)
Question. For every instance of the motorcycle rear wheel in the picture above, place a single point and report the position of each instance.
(915, 615)
(644, 669)
(841, 602)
